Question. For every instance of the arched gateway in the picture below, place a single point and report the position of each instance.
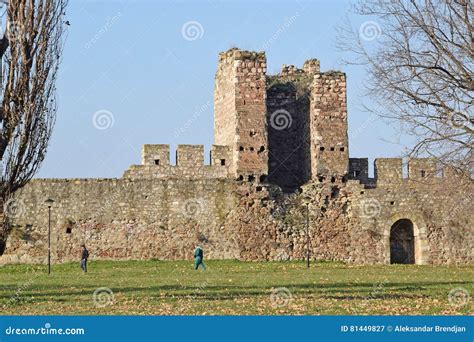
(402, 242)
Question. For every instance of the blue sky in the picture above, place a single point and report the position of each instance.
(129, 62)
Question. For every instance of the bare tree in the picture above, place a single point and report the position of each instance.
(31, 49)
(420, 61)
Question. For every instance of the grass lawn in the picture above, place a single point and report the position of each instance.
(235, 288)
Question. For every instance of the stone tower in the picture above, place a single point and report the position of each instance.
(329, 144)
(307, 126)
(240, 112)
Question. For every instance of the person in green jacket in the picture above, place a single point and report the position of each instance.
(198, 258)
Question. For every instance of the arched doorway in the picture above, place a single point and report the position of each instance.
(402, 242)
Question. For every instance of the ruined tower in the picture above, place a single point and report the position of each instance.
(329, 144)
(307, 126)
(288, 95)
(240, 112)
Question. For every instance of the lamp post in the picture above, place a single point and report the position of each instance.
(307, 234)
(49, 202)
(307, 200)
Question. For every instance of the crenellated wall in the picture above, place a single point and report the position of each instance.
(189, 163)
(291, 127)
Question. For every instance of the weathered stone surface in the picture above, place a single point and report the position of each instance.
(231, 208)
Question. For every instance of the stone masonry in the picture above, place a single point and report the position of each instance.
(281, 148)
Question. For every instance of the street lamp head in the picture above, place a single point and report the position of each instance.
(49, 202)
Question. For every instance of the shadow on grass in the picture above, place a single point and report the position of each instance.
(338, 291)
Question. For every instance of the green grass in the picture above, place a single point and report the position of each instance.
(232, 287)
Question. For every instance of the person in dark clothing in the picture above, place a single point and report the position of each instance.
(84, 257)
(198, 258)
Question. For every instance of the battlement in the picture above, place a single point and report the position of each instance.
(189, 163)
(238, 54)
(390, 171)
(310, 68)
(359, 169)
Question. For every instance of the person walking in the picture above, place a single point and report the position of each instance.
(198, 258)
(84, 257)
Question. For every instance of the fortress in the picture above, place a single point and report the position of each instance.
(279, 170)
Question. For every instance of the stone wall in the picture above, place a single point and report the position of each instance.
(122, 219)
(439, 208)
(164, 219)
(161, 211)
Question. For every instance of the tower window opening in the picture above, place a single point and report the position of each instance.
(321, 149)
(332, 148)
(423, 173)
(241, 148)
(222, 162)
(157, 162)
(341, 149)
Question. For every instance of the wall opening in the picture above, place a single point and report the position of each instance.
(223, 162)
(157, 162)
(402, 242)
